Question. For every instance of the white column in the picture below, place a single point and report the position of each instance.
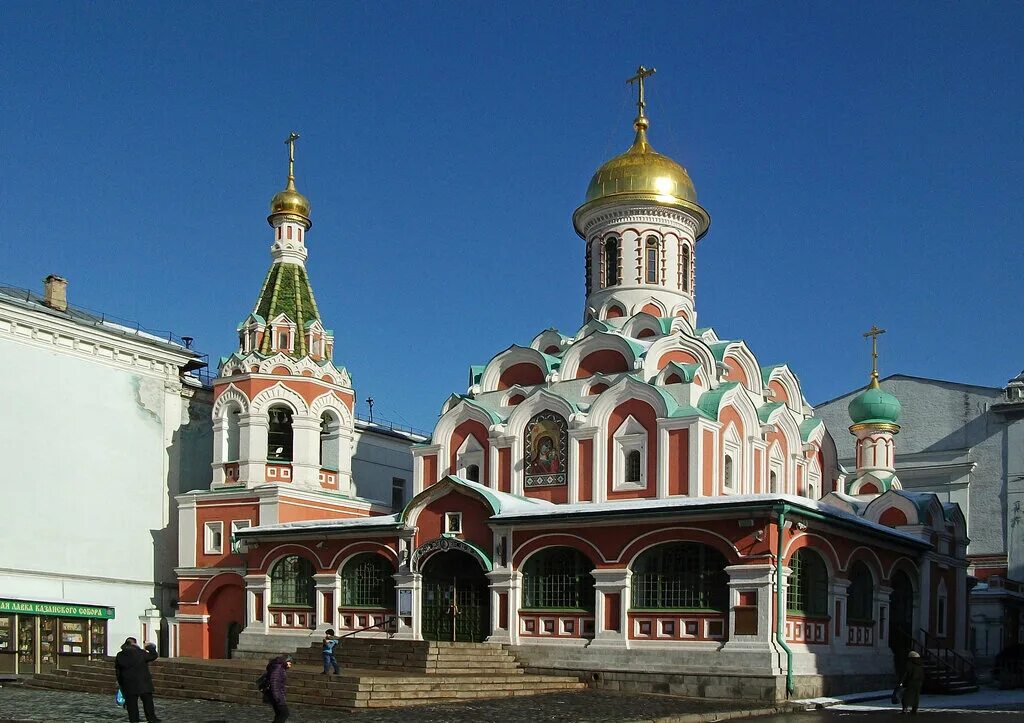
(610, 582)
(960, 606)
(254, 585)
(252, 448)
(924, 582)
(345, 452)
(883, 623)
(838, 592)
(507, 582)
(306, 451)
(220, 431)
(756, 579)
(326, 583)
(408, 598)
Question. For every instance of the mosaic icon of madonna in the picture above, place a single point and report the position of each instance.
(547, 444)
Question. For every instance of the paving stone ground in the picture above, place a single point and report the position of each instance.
(588, 706)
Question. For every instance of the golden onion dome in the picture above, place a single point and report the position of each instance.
(290, 201)
(641, 172)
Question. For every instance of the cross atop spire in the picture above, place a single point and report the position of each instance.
(874, 332)
(641, 74)
(290, 140)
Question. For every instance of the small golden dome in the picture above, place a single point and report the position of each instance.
(290, 201)
(641, 171)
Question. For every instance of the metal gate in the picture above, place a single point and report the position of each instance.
(455, 599)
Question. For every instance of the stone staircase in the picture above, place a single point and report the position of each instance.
(375, 674)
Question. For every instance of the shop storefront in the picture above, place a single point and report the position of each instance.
(37, 637)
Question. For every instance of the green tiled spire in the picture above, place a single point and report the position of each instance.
(286, 290)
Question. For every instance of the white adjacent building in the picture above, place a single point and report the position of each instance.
(103, 423)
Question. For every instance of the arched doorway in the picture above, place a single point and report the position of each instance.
(456, 599)
(226, 608)
(901, 604)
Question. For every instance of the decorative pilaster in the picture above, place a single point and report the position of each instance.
(838, 597)
(409, 605)
(505, 592)
(328, 592)
(252, 432)
(257, 604)
(750, 607)
(611, 607)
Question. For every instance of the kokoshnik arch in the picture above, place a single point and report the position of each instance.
(640, 489)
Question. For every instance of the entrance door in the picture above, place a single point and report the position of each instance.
(455, 599)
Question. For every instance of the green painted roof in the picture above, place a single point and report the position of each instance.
(808, 426)
(475, 372)
(286, 290)
(766, 372)
(709, 402)
(689, 371)
(875, 406)
(765, 411)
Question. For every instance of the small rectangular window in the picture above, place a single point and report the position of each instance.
(289, 232)
(397, 493)
(652, 265)
(213, 538)
(453, 522)
(237, 525)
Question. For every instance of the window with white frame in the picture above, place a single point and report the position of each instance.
(630, 455)
(453, 523)
(776, 462)
(651, 260)
(470, 455)
(730, 459)
(213, 538)
(237, 525)
(814, 480)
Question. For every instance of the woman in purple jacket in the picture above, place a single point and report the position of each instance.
(277, 679)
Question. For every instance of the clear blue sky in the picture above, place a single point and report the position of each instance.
(862, 163)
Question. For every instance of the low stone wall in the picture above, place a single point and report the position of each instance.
(654, 671)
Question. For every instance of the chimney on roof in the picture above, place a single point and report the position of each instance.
(55, 292)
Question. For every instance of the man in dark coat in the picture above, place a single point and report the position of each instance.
(277, 679)
(132, 668)
(912, 681)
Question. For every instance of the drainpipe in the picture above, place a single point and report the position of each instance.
(780, 619)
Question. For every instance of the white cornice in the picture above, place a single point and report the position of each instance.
(84, 341)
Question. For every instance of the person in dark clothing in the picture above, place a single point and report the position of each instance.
(277, 679)
(912, 681)
(132, 668)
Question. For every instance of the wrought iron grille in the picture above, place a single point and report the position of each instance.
(558, 579)
(291, 582)
(680, 575)
(807, 590)
(861, 595)
(367, 581)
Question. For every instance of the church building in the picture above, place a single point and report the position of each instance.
(639, 493)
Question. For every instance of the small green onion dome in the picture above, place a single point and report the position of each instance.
(874, 405)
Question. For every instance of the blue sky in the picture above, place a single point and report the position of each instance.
(862, 163)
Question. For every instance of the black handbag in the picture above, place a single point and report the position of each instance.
(896, 694)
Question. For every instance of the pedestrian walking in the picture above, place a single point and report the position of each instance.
(912, 681)
(132, 668)
(329, 660)
(277, 680)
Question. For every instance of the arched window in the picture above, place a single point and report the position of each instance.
(330, 456)
(366, 581)
(861, 595)
(291, 582)
(473, 473)
(652, 260)
(729, 481)
(807, 592)
(231, 451)
(680, 575)
(634, 460)
(558, 578)
(773, 482)
(279, 434)
(611, 262)
(684, 266)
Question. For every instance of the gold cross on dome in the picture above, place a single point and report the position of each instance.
(290, 140)
(874, 332)
(641, 74)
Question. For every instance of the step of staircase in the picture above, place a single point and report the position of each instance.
(497, 676)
